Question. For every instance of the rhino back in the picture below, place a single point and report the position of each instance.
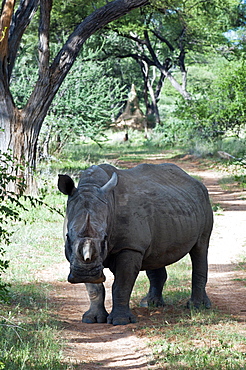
(159, 208)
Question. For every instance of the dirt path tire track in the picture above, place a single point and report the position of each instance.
(102, 346)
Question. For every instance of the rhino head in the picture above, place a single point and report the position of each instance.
(85, 226)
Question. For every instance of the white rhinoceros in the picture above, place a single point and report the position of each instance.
(143, 218)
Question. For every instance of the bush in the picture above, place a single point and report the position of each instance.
(10, 203)
(219, 107)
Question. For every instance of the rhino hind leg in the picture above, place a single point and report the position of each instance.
(97, 312)
(199, 261)
(157, 279)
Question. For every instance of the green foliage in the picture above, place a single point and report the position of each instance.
(66, 15)
(24, 76)
(172, 132)
(221, 107)
(197, 25)
(10, 202)
(170, 34)
(86, 104)
(92, 93)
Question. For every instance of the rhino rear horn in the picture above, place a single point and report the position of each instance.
(111, 184)
(66, 184)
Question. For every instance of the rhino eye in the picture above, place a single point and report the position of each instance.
(104, 244)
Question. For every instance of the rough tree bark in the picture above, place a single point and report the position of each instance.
(19, 129)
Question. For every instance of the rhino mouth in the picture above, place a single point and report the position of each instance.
(94, 276)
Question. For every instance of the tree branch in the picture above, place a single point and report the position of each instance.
(97, 20)
(163, 39)
(176, 85)
(137, 57)
(151, 50)
(44, 27)
(20, 21)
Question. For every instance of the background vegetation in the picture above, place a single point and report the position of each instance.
(186, 59)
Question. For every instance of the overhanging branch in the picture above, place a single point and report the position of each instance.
(95, 21)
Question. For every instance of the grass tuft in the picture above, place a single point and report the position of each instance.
(29, 334)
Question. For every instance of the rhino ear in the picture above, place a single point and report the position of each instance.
(111, 184)
(66, 184)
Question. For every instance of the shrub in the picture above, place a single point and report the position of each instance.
(220, 107)
(10, 203)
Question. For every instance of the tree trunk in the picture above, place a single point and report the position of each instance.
(21, 141)
(152, 105)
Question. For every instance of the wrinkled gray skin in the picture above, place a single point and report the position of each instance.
(144, 218)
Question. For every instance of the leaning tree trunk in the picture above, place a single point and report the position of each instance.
(20, 129)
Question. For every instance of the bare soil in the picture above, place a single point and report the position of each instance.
(103, 346)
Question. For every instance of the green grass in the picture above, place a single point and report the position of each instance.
(182, 339)
(78, 156)
(37, 241)
(236, 177)
(29, 332)
(211, 356)
(201, 341)
(217, 209)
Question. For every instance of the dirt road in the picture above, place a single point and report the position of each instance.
(102, 346)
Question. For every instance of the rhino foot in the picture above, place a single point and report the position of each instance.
(121, 318)
(195, 304)
(91, 317)
(152, 301)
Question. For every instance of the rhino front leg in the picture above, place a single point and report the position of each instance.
(97, 312)
(199, 276)
(125, 267)
(157, 279)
